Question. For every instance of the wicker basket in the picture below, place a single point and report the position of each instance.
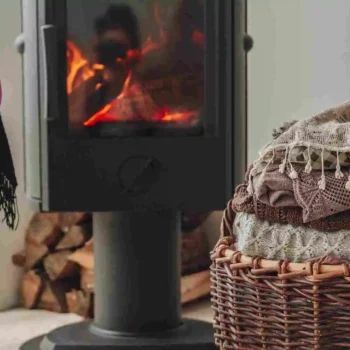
(264, 304)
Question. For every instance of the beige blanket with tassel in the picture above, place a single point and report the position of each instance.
(328, 131)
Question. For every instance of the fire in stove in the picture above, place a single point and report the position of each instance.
(121, 83)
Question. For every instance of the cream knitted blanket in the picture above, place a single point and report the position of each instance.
(286, 242)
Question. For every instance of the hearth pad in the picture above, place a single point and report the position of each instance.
(194, 335)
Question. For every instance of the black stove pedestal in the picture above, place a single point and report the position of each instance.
(137, 289)
(192, 335)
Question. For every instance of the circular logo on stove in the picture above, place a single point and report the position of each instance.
(138, 174)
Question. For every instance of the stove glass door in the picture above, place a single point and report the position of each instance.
(136, 67)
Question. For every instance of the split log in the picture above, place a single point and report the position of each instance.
(191, 221)
(34, 255)
(19, 259)
(67, 220)
(194, 252)
(43, 230)
(87, 280)
(84, 257)
(53, 297)
(80, 303)
(195, 286)
(76, 237)
(59, 266)
(32, 287)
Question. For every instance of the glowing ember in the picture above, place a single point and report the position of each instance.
(198, 38)
(180, 116)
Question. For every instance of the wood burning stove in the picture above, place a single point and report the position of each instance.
(134, 110)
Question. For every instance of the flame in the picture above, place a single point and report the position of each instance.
(101, 116)
(125, 87)
(79, 70)
(131, 55)
(180, 117)
(98, 66)
(77, 65)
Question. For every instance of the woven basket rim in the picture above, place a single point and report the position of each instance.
(224, 253)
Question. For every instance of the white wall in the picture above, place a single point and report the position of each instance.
(300, 63)
(11, 110)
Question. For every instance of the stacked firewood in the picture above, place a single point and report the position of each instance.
(59, 264)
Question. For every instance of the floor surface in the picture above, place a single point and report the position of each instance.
(19, 325)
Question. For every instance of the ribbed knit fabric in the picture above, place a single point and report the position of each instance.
(279, 190)
(243, 202)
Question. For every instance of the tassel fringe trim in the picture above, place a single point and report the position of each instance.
(322, 183)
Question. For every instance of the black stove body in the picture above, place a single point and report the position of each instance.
(144, 109)
(135, 111)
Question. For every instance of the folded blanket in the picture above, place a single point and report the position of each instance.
(279, 190)
(275, 189)
(243, 202)
(286, 242)
(302, 155)
(328, 131)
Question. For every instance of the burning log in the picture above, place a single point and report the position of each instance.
(58, 265)
(80, 98)
(150, 89)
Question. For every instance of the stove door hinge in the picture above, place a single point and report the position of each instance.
(20, 43)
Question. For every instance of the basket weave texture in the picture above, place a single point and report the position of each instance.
(265, 304)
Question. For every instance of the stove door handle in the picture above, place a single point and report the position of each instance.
(50, 71)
